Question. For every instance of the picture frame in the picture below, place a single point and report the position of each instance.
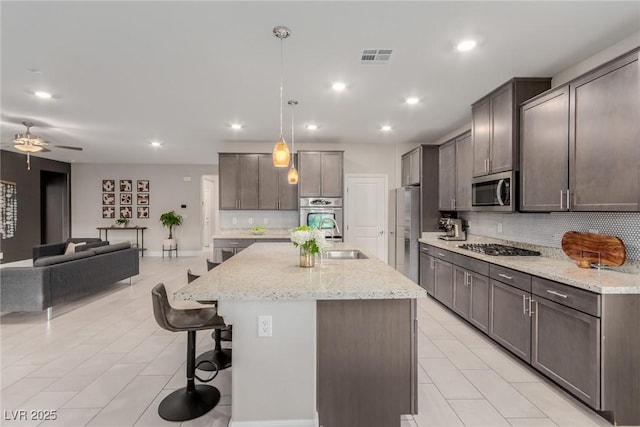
(143, 212)
(126, 185)
(126, 198)
(109, 212)
(143, 198)
(143, 185)
(108, 185)
(126, 212)
(108, 198)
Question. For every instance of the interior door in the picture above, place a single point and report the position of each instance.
(366, 202)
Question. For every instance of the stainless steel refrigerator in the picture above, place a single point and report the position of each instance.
(404, 230)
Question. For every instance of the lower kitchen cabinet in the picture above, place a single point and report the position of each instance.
(471, 291)
(509, 321)
(443, 282)
(479, 310)
(461, 292)
(427, 270)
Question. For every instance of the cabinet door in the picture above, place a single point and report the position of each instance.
(479, 311)
(405, 168)
(501, 158)
(544, 155)
(427, 272)
(604, 138)
(288, 193)
(461, 292)
(269, 183)
(481, 139)
(463, 162)
(414, 167)
(509, 321)
(566, 348)
(444, 282)
(447, 176)
(228, 171)
(249, 181)
(310, 167)
(331, 174)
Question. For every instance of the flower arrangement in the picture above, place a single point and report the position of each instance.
(310, 240)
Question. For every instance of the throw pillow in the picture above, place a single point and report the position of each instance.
(71, 247)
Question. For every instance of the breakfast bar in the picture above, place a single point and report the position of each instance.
(340, 344)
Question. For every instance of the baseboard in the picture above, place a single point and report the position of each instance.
(277, 423)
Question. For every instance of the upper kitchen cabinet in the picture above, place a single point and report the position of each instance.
(321, 173)
(455, 157)
(239, 181)
(275, 191)
(581, 143)
(410, 167)
(494, 123)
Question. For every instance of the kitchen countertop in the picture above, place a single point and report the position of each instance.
(565, 271)
(245, 233)
(270, 271)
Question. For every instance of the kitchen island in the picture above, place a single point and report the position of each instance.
(343, 344)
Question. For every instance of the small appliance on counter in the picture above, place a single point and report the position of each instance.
(453, 228)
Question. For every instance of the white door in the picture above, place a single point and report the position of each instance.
(366, 213)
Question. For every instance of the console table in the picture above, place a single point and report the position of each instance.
(139, 235)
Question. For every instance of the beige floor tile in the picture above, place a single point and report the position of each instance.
(460, 355)
(98, 364)
(23, 390)
(426, 347)
(478, 413)
(148, 349)
(128, 341)
(12, 374)
(502, 395)
(71, 383)
(169, 360)
(150, 417)
(449, 380)
(531, 422)
(423, 378)
(72, 417)
(469, 336)
(217, 417)
(507, 366)
(433, 409)
(434, 330)
(68, 361)
(49, 400)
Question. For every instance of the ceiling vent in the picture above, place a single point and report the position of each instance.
(375, 56)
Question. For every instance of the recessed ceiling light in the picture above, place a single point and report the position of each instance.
(466, 45)
(43, 95)
(339, 86)
(385, 128)
(311, 126)
(156, 143)
(236, 126)
(412, 100)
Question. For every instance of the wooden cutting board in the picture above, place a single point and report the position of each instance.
(579, 245)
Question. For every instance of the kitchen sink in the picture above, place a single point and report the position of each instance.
(344, 254)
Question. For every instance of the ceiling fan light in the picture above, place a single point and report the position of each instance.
(280, 154)
(292, 176)
(28, 148)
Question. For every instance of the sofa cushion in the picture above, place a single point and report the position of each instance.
(71, 247)
(90, 245)
(111, 248)
(83, 239)
(57, 259)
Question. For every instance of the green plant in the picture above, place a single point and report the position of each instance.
(122, 221)
(170, 220)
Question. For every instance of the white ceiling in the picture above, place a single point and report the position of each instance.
(124, 73)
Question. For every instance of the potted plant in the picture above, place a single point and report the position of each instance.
(122, 222)
(170, 220)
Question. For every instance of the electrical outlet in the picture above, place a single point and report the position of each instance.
(234, 220)
(594, 231)
(250, 220)
(499, 227)
(265, 326)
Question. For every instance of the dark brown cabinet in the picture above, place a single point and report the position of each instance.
(471, 290)
(447, 176)
(455, 157)
(427, 270)
(509, 321)
(443, 275)
(410, 167)
(239, 181)
(321, 173)
(495, 125)
(275, 191)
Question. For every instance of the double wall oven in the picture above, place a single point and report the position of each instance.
(314, 212)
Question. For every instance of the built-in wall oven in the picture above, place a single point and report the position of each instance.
(494, 193)
(323, 211)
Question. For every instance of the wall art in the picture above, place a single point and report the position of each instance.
(8, 209)
(108, 198)
(126, 198)
(143, 211)
(143, 185)
(108, 212)
(126, 212)
(108, 185)
(143, 198)
(126, 185)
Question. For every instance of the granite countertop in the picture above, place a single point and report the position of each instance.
(271, 271)
(549, 266)
(245, 233)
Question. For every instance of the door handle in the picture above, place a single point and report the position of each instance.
(531, 312)
(505, 276)
(568, 199)
(524, 304)
(381, 232)
(561, 198)
(557, 294)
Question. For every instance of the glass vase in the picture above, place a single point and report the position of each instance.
(307, 259)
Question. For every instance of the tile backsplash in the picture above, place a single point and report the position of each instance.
(267, 219)
(546, 229)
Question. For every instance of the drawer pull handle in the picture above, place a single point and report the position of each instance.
(557, 294)
(505, 276)
(234, 243)
(441, 254)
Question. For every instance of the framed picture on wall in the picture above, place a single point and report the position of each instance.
(126, 198)
(143, 185)
(108, 198)
(143, 198)
(108, 185)
(126, 212)
(108, 212)
(126, 185)
(143, 211)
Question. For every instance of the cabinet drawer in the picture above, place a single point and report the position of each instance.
(579, 299)
(425, 249)
(441, 254)
(232, 243)
(511, 277)
(472, 264)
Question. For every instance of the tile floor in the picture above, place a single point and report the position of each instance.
(103, 361)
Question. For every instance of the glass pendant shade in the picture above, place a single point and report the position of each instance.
(292, 176)
(280, 154)
(29, 148)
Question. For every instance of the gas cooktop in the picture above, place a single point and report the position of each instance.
(497, 250)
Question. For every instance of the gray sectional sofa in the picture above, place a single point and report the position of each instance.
(57, 277)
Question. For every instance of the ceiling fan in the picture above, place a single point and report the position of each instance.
(30, 143)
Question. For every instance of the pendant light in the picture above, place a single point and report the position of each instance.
(292, 175)
(280, 153)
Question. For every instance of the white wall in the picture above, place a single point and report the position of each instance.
(168, 191)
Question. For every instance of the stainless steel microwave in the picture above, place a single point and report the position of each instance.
(494, 193)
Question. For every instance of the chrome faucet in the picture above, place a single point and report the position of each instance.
(327, 218)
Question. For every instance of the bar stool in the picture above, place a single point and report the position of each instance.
(226, 255)
(193, 400)
(219, 358)
(211, 265)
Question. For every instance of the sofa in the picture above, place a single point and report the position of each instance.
(58, 277)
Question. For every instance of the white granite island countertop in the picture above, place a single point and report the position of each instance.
(271, 271)
(565, 271)
(245, 233)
